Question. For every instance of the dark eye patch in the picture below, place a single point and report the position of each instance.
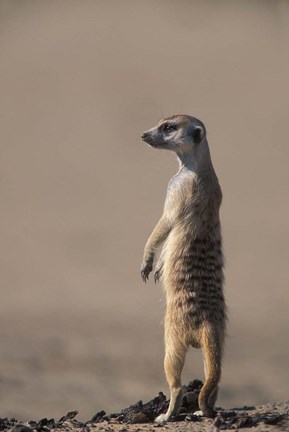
(169, 127)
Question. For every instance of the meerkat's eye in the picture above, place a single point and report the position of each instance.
(168, 127)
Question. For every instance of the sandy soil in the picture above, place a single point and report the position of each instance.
(80, 193)
(271, 417)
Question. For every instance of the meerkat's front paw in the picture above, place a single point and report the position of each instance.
(161, 419)
(158, 274)
(146, 268)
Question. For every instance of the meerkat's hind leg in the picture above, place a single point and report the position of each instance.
(174, 362)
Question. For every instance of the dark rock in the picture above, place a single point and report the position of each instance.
(98, 417)
(21, 428)
(190, 401)
(245, 408)
(140, 418)
(192, 418)
(147, 412)
(273, 419)
(218, 421)
(143, 413)
(44, 425)
(244, 422)
(6, 423)
(194, 385)
(69, 416)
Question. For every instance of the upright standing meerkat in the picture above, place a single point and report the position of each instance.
(191, 261)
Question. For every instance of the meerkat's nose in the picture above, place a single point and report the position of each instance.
(144, 136)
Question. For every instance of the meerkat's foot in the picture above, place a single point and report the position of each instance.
(209, 412)
(161, 419)
(198, 413)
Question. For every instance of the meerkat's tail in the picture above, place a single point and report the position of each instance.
(212, 351)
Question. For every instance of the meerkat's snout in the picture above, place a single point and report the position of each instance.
(151, 138)
(144, 136)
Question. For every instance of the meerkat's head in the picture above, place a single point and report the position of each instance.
(179, 133)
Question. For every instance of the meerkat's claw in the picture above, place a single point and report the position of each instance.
(157, 275)
(145, 271)
(143, 276)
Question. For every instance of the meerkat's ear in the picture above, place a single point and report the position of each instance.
(198, 134)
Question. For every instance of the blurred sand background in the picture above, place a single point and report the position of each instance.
(80, 193)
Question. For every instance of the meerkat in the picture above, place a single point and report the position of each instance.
(191, 261)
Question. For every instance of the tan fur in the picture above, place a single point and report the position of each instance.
(191, 262)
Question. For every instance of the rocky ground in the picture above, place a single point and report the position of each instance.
(140, 417)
